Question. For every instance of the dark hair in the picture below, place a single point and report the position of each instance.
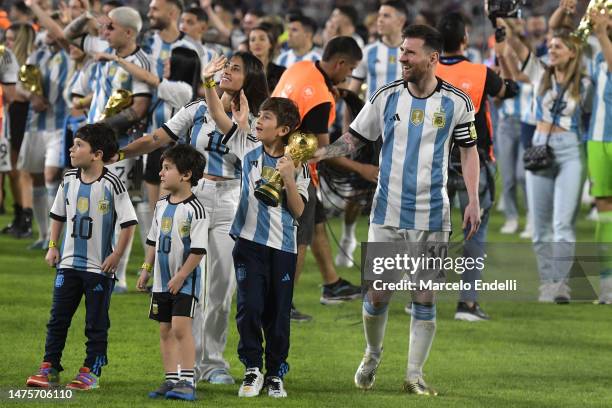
(452, 30)
(429, 35)
(177, 3)
(286, 112)
(346, 46)
(21, 7)
(398, 5)
(308, 23)
(255, 85)
(186, 158)
(256, 12)
(270, 33)
(114, 3)
(351, 13)
(100, 136)
(185, 66)
(198, 12)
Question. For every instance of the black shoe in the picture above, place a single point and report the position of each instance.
(17, 216)
(470, 314)
(299, 317)
(339, 292)
(24, 228)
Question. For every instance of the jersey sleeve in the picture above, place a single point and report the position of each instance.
(8, 68)
(126, 216)
(199, 233)
(302, 181)
(140, 88)
(464, 133)
(181, 122)
(153, 229)
(367, 123)
(239, 141)
(175, 93)
(58, 210)
(93, 44)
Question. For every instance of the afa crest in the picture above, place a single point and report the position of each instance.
(392, 59)
(103, 207)
(439, 119)
(112, 70)
(185, 228)
(166, 225)
(417, 116)
(123, 77)
(83, 204)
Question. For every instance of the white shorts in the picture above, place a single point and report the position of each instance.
(5, 155)
(40, 149)
(123, 170)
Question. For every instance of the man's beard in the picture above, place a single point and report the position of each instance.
(159, 24)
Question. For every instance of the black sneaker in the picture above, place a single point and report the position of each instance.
(24, 228)
(470, 314)
(299, 317)
(339, 292)
(17, 215)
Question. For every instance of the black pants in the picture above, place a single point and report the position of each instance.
(70, 285)
(264, 278)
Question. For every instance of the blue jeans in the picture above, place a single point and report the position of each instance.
(554, 199)
(510, 155)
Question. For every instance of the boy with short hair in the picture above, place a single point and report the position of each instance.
(90, 200)
(265, 252)
(176, 244)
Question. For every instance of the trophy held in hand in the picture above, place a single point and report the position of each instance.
(31, 78)
(118, 101)
(301, 148)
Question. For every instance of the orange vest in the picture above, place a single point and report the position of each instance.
(4, 20)
(305, 85)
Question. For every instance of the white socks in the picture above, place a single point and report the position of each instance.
(422, 332)
(374, 324)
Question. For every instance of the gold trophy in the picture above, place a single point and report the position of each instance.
(585, 28)
(301, 148)
(31, 78)
(118, 101)
(2, 49)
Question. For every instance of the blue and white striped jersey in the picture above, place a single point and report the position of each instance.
(288, 58)
(177, 230)
(159, 51)
(600, 129)
(379, 66)
(90, 212)
(568, 112)
(517, 106)
(109, 76)
(194, 125)
(273, 227)
(417, 134)
(54, 69)
(9, 69)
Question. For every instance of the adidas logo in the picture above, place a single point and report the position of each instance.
(286, 278)
(99, 288)
(396, 118)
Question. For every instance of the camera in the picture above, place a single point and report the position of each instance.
(505, 8)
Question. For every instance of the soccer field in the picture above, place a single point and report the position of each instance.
(528, 355)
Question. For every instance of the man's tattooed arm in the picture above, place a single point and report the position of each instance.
(343, 146)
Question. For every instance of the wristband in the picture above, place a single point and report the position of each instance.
(52, 244)
(147, 267)
(210, 84)
(121, 154)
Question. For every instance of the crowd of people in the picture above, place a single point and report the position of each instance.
(177, 120)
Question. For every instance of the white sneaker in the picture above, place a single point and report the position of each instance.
(276, 388)
(252, 383)
(510, 227)
(366, 373)
(605, 294)
(344, 257)
(527, 233)
(547, 292)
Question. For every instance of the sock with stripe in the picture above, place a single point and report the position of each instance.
(422, 332)
(603, 237)
(172, 376)
(187, 375)
(374, 324)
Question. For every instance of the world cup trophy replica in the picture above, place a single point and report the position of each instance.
(301, 148)
(585, 27)
(31, 78)
(118, 101)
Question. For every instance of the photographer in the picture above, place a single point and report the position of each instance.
(479, 82)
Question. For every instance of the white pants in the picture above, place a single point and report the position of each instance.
(211, 317)
(40, 149)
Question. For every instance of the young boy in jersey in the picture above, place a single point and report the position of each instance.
(265, 252)
(90, 201)
(176, 243)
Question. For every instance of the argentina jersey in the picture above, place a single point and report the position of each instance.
(177, 230)
(417, 134)
(379, 66)
(194, 125)
(288, 58)
(8, 76)
(516, 106)
(273, 227)
(159, 51)
(54, 67)
(109, 76)
(600, 129)
(90, 211)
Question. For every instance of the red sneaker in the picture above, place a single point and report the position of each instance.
(47, 377)
(84, 381)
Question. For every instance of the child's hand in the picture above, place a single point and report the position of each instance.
(176, 283)
(110, 263)
(52, 257)
(286, 168)
(143, 279)
(241, 113)
(213, 67)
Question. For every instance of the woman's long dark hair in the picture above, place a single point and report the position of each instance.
(255, 85)
(185, 67)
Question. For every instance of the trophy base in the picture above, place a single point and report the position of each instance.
(268, 195)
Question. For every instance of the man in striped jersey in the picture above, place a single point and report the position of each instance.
(419, 117)
(40, 152)
(599, 147)
(300, 30)
(90, 202)
(194, 23)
